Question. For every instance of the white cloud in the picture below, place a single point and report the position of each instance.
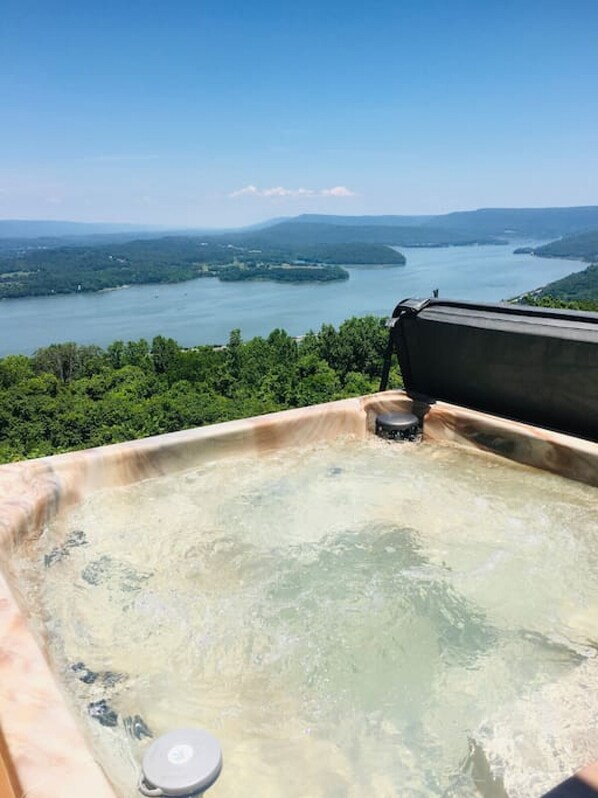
(338, 191)
(248, 191)
(280, 191)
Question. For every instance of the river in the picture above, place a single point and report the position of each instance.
(204, 311)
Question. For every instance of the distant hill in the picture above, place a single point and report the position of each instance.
(36, 234)
(32, 228)
(479, 226)
(580, 247)
(502, 222)
(294, 233)
(357, 221)
(21, 245)
(521, 222)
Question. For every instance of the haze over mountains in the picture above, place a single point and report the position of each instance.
(298, 232)
(509, 222)
(456, 227)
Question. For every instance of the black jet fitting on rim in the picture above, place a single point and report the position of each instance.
(400, 427)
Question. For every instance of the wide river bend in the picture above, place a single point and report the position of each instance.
(204, 311)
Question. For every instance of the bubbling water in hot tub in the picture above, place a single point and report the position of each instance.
(348, 620)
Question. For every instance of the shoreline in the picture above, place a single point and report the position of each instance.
(206, 275)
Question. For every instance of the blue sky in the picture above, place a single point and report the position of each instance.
(221, 113)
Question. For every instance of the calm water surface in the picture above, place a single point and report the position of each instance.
(204, 311)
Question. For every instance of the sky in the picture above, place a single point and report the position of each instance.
(216, 113)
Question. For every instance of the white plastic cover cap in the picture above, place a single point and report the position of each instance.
(183, 762)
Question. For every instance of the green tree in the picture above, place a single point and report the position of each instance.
(234, 353)
(137, 353)
(67, 396)
(59, 359)
(116, 354)
(316, 382)
(15, 369)
(164, 353)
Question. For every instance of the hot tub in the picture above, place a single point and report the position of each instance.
(294, 716)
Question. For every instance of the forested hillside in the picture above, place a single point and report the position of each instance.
(579, 289)
(548, 301)
(521, 222)
(69, 397)
(65, 270)
(581, 247)
(539, 223)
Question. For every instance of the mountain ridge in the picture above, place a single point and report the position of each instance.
(541, 223)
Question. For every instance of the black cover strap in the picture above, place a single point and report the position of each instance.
(407, 306)
(388, 355)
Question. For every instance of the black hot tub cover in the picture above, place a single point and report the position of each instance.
(536, 365)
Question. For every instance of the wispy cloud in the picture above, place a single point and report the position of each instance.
(280, 191)
(337, 191)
